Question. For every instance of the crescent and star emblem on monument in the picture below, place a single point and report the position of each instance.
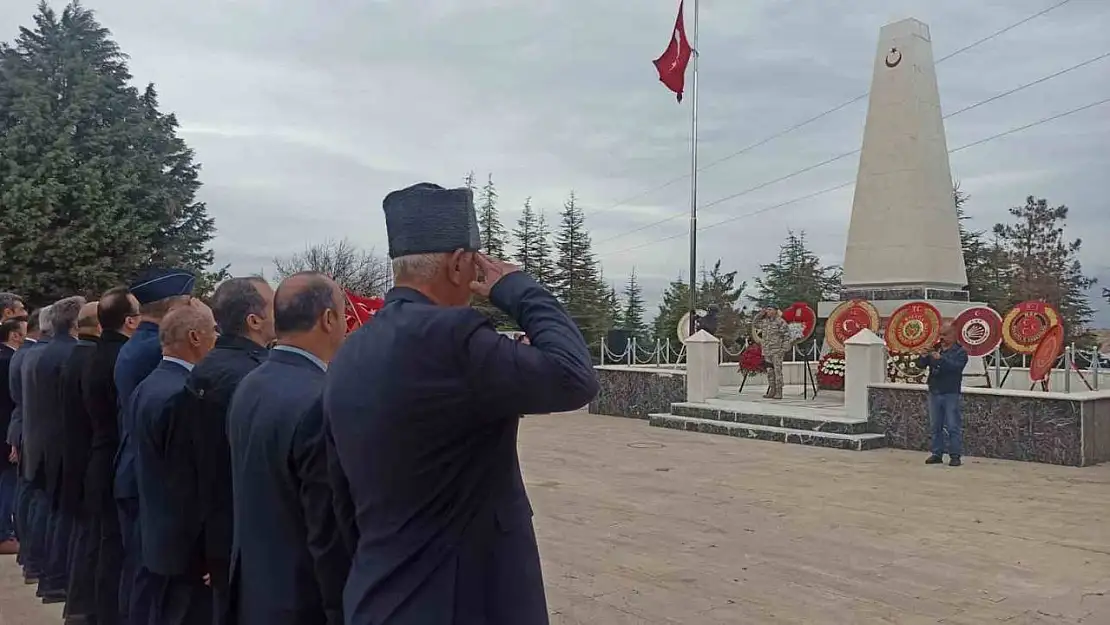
(893, 58)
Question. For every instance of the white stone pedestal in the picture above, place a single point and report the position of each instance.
(864, 363)
(702, 371)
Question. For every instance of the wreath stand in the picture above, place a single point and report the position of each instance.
(809, 379)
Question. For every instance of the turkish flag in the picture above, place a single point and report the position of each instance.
(672, 64)
(360, 309)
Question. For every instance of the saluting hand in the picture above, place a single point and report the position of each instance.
(491, 270)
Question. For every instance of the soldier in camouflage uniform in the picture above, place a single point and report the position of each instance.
(775, 340)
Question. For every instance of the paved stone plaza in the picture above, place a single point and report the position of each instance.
(648, 525)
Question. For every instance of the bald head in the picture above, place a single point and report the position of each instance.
(188, 332)
(302, 298)
(87, 320)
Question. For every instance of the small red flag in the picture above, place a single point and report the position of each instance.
(672, 64)
(360, 309)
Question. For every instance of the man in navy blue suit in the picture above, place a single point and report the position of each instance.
(27, 522)
(289, 562)
(424, 404)
(176, 574)
(158, 291)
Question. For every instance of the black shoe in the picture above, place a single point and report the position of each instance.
(57, 596)
(954, 461)
(934, 460)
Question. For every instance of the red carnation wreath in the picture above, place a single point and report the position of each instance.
(751, 360)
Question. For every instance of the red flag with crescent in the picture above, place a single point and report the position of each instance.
(672, 64)
(360, 309)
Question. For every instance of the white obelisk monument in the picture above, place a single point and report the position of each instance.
(903, 239)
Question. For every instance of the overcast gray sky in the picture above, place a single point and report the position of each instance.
(306, 114)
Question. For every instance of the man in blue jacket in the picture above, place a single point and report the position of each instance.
(159, 291)
(424, 404)
(946, 373)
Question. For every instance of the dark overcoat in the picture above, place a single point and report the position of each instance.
(137, 358)
(424, 404)
(7, 405)
(15, 387)
(98, 387)
(168, 528)
(203, 413)
(76, 442)
(43, 412)
(283, 497)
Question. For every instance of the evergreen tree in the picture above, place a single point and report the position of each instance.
(1043, 265)
(527, 240)
(577, 280)
(468, 181)
(545, 260)
(96, 184)
(489, 222)
(796, 276)
(675, 304)
(632, 316)
(717, 288)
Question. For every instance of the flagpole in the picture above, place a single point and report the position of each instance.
(694, 175)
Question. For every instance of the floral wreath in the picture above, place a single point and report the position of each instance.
(751, 360)
(830, 371)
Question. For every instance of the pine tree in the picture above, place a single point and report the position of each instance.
(96, 184)
(527, 241)
(632, 316)
(986, 280)
(675, 304)
(468, 181)
(1043, 265)
(717, 288)
(545, 261)
(796, 276)
(489, 222)
(577, 281)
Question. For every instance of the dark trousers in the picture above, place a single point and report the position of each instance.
(109, 566)
(182, 600)
(138, 586)
(9, 484)
(32, 524)
(84, 544)
(221, 592)
(59, 528)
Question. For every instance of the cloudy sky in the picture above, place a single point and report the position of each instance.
(305, 114)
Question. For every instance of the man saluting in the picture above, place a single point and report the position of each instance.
(424, 404)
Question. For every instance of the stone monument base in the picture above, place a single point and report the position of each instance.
(949, 301)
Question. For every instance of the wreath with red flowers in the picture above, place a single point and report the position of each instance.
(830, 372)
(751, 360)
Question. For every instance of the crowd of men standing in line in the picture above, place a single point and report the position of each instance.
(180, 461)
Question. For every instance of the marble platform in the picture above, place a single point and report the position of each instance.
(1056, 428)
(818, 421)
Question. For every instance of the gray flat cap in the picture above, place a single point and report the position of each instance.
(427, 218)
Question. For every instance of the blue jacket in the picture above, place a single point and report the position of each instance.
(15, 386)
(168, 524)
(424, 404)
(946, 374)
(283, 496)
(137, 359)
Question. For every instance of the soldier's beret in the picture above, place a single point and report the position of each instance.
(427, 218)
(158, 284)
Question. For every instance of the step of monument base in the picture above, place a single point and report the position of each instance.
(786, 417)
(833, 440)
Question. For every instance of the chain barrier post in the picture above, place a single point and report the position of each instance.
(1068, 359)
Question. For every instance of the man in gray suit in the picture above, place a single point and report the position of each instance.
(42, 423)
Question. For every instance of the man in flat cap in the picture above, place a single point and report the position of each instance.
(159, 291)
(424, 404)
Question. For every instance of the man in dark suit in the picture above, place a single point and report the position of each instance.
(424, 404)
(12, 333)
(74, 448)
(27, 526)
(244, 312)
(173, 570)
(11, 307)
(279, 468)
(118, 313)
(43, 430)
(159, 291)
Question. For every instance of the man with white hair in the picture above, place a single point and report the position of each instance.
(424, 405)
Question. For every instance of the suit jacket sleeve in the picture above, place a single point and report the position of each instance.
(341, 494)
(553, 374)
(329, 553)
(15, 427)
